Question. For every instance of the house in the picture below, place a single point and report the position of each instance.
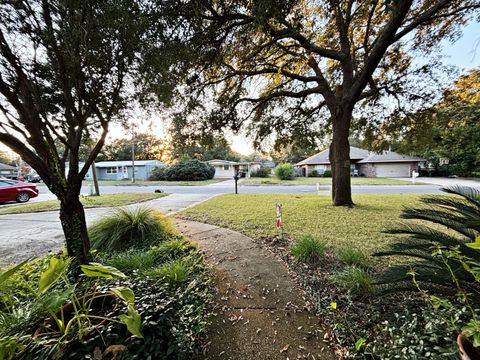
(8, 171)
(119, 170)
(365, 163)
(228, 169)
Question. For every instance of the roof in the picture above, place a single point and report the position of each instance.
(7, 167)
(364, 156)
(322, 156)
(218, 161)
(103, 164)
(389, 156)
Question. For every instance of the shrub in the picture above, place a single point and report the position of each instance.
(131, 228)
(171, 250)
(352, 256)
(189, 170)
(313, 173)
(132, 260)
(308, 250)
(327, 173)
(442, 222)
(355, 280)
(263, 172)
(285, 171)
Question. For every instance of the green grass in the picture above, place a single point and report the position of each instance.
(308, 250)
(355, 280)
(87, 201)
(326, 181)
(351, 256)
(314, 215)
(125, 229)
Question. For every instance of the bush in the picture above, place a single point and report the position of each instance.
(308, 250)
(189, 170)
(313, 173)
(327, 173)
(131, 228)
(355, 280)
(442, 222)
(285, 171)
(352, 256)
(263, 172)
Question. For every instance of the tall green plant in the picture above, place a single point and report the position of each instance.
(442, 222)
(131, 228)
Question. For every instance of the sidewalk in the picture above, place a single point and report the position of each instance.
(260, 313)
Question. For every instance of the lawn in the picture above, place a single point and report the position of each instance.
(326, 181)
(149, 183)
(254, 215)
(87, 201)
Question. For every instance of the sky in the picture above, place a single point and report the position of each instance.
(464, 53)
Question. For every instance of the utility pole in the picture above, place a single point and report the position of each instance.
(133, 157)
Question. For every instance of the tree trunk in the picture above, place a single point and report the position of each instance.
(340, 158)
(74, 226)
(95, 180)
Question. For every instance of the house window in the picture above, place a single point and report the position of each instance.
(226, 167)
(112, 170)
(125, 170)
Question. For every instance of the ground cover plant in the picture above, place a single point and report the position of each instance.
(155, 291)
(365, 321)
(87, 201)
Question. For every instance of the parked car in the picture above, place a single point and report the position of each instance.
(35, 179)
(11, 190)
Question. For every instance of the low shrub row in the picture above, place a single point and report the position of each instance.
(189, 170)
(263, 172)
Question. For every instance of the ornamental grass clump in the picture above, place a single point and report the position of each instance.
(125, 229)
(354, 279)
(308, 250)
(351, 256)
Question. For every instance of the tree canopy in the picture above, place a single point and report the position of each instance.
(450, 130)
(299, 68)
(147, 147)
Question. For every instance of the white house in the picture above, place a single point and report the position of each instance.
(228, 169)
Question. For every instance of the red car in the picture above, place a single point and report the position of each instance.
(11, 190)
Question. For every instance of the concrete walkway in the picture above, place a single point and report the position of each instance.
(36, 234)
(260, 313)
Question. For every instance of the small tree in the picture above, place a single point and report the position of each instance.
(285, 171)
(64, 70)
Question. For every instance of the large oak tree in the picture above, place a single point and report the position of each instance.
(302, 66)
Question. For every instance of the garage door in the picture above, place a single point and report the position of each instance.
(392, 170)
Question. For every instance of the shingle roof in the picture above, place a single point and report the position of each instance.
(389, 156)
(7, 167)
(364, 156)
(322, 156)
(102, 164)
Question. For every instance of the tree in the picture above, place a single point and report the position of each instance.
(297, 67)
(450, 129)
(66, 72)
(5, 158)
(147, 147)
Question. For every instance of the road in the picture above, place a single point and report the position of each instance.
(25, 235)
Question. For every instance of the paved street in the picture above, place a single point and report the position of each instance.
(24, 235)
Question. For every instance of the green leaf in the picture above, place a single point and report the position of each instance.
(124, 293)
(360, 344)
(476, 244)
(133, 321)
(56, 269)
(55, 300)
(5, 275)
(472, 332)
(99, 270)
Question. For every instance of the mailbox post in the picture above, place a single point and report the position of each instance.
(236, 177)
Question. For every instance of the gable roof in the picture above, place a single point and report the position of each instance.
(322, 156)
(103, 164)
(389, 156)
(363, 155)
